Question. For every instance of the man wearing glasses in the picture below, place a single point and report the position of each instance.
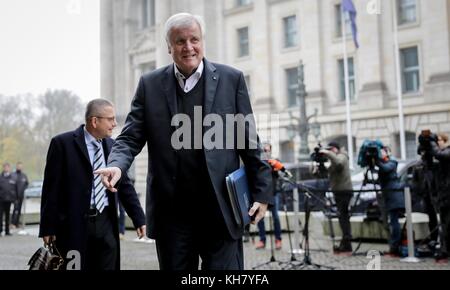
(77, 212)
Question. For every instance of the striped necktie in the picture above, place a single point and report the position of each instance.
(99, 189)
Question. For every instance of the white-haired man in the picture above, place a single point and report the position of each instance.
(188, 209)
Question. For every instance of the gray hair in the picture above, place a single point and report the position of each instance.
(182, 20)
(94, 107)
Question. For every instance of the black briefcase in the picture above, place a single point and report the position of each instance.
(46, 258)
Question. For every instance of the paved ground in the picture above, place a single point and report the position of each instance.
(16, 250)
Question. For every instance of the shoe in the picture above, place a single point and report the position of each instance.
(245, 239)
(278, 244)
(345, 247)
(392, 254)
(8, 234)
(441, 258)
(260, 245)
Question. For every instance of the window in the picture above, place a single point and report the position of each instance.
(410, 70)
(290, 31)
(406, 11)
(410, 144)
(148, 13)
(243, 2)
(338, 17)
(243, 49)
(292, 85)
(248, 84)
(351, 79)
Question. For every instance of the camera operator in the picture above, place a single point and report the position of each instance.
(423, 184)
(441, 151)
(341, 185)
(393, 197)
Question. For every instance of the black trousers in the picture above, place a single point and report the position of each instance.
(180, 244)
(15, 219)
(102, 248)
(432, 217)
(342, 203)
(445, 223)
(5, 209)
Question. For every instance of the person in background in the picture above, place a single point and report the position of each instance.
(22, 184)
(277, 169)
(441, 151)
(8, 195)
(393, 197)
(341, 185)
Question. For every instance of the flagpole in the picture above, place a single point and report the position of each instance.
(401, 118)
(347, 89)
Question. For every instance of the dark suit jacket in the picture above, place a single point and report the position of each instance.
(149, 121)
(66, 194)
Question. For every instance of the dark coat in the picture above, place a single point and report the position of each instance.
(149, 121)
(8, 188)
(22, 183)
(442, 175)
(387, 176)
(66, 194)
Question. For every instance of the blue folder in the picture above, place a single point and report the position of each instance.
(240, 196)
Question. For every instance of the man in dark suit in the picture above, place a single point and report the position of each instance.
(77, 212)
(188, 209)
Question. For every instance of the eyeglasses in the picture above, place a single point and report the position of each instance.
(111, 119)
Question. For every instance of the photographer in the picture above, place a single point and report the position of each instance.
(394, 200)
(341, 185)
(441, 152)
(277, 167)
(423, 184)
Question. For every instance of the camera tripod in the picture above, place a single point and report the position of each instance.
(272, 252)
(307, 263)
(367, 180)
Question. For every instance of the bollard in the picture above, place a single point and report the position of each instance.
(409, 229)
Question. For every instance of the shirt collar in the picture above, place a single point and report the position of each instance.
(198, 73)
(88, 137)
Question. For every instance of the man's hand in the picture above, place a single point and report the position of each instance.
(110, 176)
(141, 232)
(260, 210)
(48, 239)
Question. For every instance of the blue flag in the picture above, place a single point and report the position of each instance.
(348, 6)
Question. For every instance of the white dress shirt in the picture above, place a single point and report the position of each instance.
(188, 84)
(88, 138)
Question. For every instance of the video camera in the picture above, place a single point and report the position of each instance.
(318, 157)
(425, 139)
(369, 153)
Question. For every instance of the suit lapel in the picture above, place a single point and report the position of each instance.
(106, 148)
(79, 140)
(168, 85)
(211, 82)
